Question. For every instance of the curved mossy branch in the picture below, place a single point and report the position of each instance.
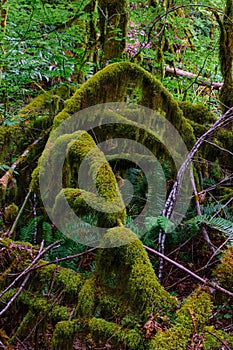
(97, 214)
(133, 275)
(118, 80)
(107, 208)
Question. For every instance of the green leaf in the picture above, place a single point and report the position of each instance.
(166, 224)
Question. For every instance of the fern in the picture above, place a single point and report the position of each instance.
(47, 233)
(212, 209)
(27, 232)
(161, 222)
(223, 225)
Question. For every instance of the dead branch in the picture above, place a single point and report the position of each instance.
(19, 290)
(69, 257)
(204, 281)
(221, 122)
(9, 173)
(203, 229)
(28, 269)
(220, 340)
(199, 81)
(19, 214)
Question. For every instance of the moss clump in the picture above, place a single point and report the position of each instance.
(104, 330)
(67, 280)
(191, 319)
(100, 212)
(59, 313)
(64, 334)
(87, 298)
(11, 212)
(224, 271)
(131, 270)
(214, 339)
(98, 172)
(197, 113)
(111, 85)
(133, 340)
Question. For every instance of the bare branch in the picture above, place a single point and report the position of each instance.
(8, 175)
(28, 269)
(203, 229)
(19, 214)
(69, 257)
(221, 122)
(15, 295)
(189, 75)
(204, 281)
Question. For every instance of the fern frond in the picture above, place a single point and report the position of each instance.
(27, 232)
(223, 225)
(47, 233)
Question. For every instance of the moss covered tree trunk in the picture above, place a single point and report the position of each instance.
(226, 56)
(113, 28)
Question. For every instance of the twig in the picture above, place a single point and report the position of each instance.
(15, 295)
(28, 269)
(204, 281)
(187, 276)
(221, 122)
(217, 250)
(203, 229)
(8, 175)
(180, 246)
(69, 257)
(19, 214)
(219, 339)
(221, 148)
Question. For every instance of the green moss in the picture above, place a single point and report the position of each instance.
(198, 113)
(64, 334)
(69, 281)
(101, 175)
(224, 271)
(38, 305)
(86, 299)
(130, 268)
(195, 311)
(61, 278)
(59, 313)
(213, 337)
(103, 329)
(45, 275)
(11, 212)
(191, 319)
(99, 211)
(133, 340)
(111, 85)
(147, 295)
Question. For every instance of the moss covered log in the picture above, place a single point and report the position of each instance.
(120, 304)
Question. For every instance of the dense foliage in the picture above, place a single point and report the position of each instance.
(59, 57)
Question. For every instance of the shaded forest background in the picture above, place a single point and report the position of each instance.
(170, 288)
